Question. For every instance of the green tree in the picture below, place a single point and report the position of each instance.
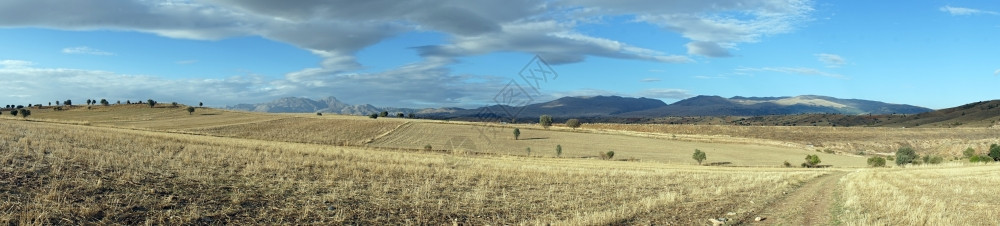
(573, 123)
(811, 161)
(876, 161)
(558, 150)
(610, 154)
(67, 103)
(190, 110)
(699, 156)
(400, 115)
(151, 103)
(383, 114)
(200, 104)
(517, 133)
(105, 102)
(24, 112)
(905, 155)
(545, 121)
(969, 152)
(373, 116)
(13, 112)
(995, 152)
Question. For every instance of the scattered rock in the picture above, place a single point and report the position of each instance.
(759, 219)
(731, 214)
(716, 222)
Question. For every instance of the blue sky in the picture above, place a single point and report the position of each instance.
(450, 53)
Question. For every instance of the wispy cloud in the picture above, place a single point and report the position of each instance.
(86, 50)
(650, 80)
(831, 60)
(959, 11)
(793, 71)
(15, 63)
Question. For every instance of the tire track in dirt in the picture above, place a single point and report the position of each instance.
(807, 205)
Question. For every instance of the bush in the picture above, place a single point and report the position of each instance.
(190, 110)
(811, 161)
(607, 155)
(103, 102)
(319, 113)
(699, 156)
(400, 115)
(935, 160)
(558, 150)
(373, 115)
(25, 112)
(528, 149)
(787, 164)
(995, 152)
(174, 104)
(428, 147)
(905, 155)
(969, 152)
(151, 103)
(876, 161)
(383, 114)
(980, 158)
(573, 123)
(545, 121)
(517, 133)
(13, 112)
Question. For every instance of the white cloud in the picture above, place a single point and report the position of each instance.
(793, 71)
(665, 93)
(86, 50)
(831, 60)
(15, 63)
(959, 11)
(650, 80)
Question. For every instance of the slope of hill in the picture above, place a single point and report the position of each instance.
(978, 114)
(757, 106)
(306, 105)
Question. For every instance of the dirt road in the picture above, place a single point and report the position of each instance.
(807, 205)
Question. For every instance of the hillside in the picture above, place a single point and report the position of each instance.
(306, 105)
(759, 106)
(978, 114)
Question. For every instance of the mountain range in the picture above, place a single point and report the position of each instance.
(608, 107)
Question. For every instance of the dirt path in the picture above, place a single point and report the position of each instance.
(807, 205)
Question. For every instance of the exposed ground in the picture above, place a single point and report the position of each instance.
(810, 204)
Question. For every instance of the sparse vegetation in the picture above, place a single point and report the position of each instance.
(558, 150)
(545, 121)
(573, 123)
(699, 156)
(969, 152)
(811, 161)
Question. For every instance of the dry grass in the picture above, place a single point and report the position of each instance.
(500, 140)
(941, 141)
(67, 174)
(950, 194)
(307, 130)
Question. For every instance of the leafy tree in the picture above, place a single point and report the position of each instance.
(558, 150)
(319, 113)
(151, 103)
(610, 154)
(517, 133)
(400, 115)
(905, 155)
(699, 156)
(68, 102)
(25, 112)
(383, 114)
(876, 161)
(969, 152)
(200, 104)
(128, 102)
(174, 104)
(13, 112)
(573, 123)
(50, 103)
(105, 102)
(545, 121)
(995, 152)
(57, 102)
(190, 110)
(373, 116)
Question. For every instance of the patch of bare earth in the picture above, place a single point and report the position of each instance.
(807, 205)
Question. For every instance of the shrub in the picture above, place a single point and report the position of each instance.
(876, 161)
(545, 121)
(528, 149)
(428, 147)
(68, 102)
(151, 103)
(383, 114)
(517, 133)
(573, 123)
(174, 104)
(905, 155)
(400, 115)
(811, 161)
(13, 112)
(104, 102)
(610, 154)
(787, 164)
(25, 112)
(828, 151)
(373, 115)
(969, 152)
(200, 104)
(935, 160)
(995, 152)
(319, 113)
(980, 158)
(699, 156)
(558, 150)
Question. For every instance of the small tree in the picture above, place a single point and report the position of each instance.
(67, 103)
(811, 161)
(319, 113)
(573, 123)
(428, 147)
(151, 103)
(383, 114)
(610, 154)
(558, 150)
(545, 121)
(13, 112)
(25, 112)
(528, 149)
(105, 102)
(373, 116)
(995, 152)
(174, 104)
(200, 104)
(517, 133)
(905, 155)
(969, 152)
(699, 156)
(400, 115)
(411, 115)
(190, 110)
(876, 161)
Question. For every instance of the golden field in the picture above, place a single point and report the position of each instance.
(140, 165)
